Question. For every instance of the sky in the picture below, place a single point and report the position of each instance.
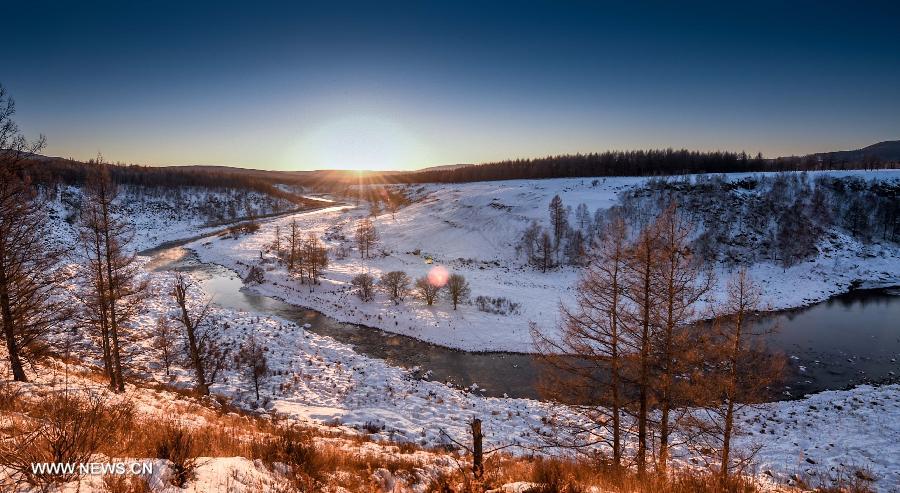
(404, 85)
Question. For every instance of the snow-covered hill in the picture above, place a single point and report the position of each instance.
(473, 229)
(161, 215)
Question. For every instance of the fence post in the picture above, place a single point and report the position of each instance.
(477, 459)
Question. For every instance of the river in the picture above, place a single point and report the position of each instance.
(848, 340)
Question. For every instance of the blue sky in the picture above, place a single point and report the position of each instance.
(412, 84)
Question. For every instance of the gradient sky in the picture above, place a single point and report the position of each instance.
(412, 84)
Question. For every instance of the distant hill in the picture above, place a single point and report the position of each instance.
(620, 163)
(442, 168)
(888, 150)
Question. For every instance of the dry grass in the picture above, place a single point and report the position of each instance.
(307, 458)
(60, 428)
(126, 484)
(553, 475)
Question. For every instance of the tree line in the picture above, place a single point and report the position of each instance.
(656, 162)
(54, 172)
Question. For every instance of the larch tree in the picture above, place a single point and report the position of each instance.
(591, 331)
(366, 236)
(637, 327)
(109, 271)
(543, 252)
(315, 257)
(276, 242)
(374, 209)
(293, 246)
(558, 220)
(742, 374)
(164, 341)
(680, 281)
(29, 277)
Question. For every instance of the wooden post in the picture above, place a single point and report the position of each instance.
(477, 459)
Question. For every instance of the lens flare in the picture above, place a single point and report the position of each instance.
(437, 276)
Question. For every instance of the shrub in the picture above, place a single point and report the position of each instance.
(62, 428)
(364, 284)
(237, 230)
(498, 306)
(255, 275)
(295, 448)
(177, 445)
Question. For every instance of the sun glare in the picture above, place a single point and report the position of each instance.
(361, 143)
(438, 276)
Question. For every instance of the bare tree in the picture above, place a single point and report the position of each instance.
(276, 243)
(742, 372)
(364, 284)
(558, 220)
(14, 147)
(544, 252)
(251, 358)
(583, 218)
(528, 241)
(592, 380)
(457, 289)
(205, 355)
(680, 282)
(164, 342)
(427, 290)
(30, 278)
(293, 246)
(28, 274)
(315, 257)
(396, 284)
(640, 268)
(109, 271)
(366, 236)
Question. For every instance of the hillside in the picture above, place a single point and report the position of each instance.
(475, 229)
(884, 151)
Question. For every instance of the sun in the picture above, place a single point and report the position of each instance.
(360, 143)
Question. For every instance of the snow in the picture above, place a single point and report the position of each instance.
(159, 216)
(473, 228)
(321, 382)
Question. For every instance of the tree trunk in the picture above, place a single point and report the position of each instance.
(616, 412)
(189, 326)
(102, 314)
(111, 284)
(9, 332)
(726, 444)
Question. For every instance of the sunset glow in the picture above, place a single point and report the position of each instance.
(359, 143)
